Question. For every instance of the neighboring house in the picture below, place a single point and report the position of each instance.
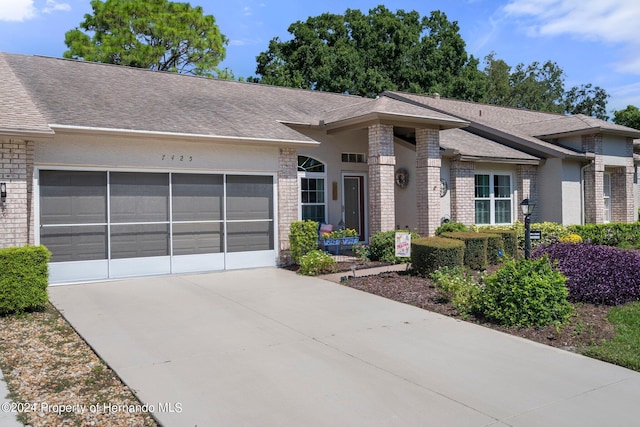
(124, 172)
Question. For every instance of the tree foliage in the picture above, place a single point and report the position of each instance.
(368, 54)
(540, 86)
(630, 117)
(155, 34)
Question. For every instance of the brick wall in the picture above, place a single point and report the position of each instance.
(287, 199)
(16, 170)
(428, 180)
(382, 162)
(622, 204)
(593, 181)
(527, 186)
(462, 192)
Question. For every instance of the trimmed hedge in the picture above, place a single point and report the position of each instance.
(611, 234)
(475, 253)
(509, 241)
(430, 253)
(495, 247)
(24, 278)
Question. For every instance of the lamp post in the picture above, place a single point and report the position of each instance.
(527, 209)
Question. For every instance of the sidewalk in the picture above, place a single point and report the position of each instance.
(7, 418)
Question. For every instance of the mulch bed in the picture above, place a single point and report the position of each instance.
(587, 327)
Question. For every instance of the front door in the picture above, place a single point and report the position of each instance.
(353, 191)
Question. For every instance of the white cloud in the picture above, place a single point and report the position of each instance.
(612, 21)
(246, 11)
(53, 6)
(16, 10)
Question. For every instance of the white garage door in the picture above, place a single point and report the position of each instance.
(108, 224)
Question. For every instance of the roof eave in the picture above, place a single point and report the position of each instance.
(503, 160)
(396, 119)
(589, 131)
(28, 134)
(66, 129)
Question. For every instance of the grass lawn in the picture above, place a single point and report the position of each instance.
(624, 348)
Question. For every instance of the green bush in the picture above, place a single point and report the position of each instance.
(24, 276)
(525, 293)
(509, 241)
(495, 247)
(382, 246)
(430, 253)
(449, 227)
(475, 251)
(551, 232)
(303, 237)
(315, 262)
(454, 285)
(611, 234)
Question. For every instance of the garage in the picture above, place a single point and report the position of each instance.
(102, 224)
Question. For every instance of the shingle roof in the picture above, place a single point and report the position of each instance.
(22, 115)
(524, 127)
(471, 145)
(72, 93)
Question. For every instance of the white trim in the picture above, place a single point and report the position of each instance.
(313, 175)
(606, 196)
(492, 199)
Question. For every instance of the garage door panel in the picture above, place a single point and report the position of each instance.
(249, 236)
(198, 238)
(72, 197)
(197, 197)
(136, 241)
(249, 197)
(139, 197)
(75, 243)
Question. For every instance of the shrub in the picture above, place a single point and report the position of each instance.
(571, 238)
(303, 238)
(495, 247)
(611, 234)
(596, 274)
(449, 227)
(315, 262)
(382, 246)
(454, 285)
(430, 253)
(475, 251)
(24, 278)
(509, 240)
(525, 293)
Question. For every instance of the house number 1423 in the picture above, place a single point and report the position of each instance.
(177, 157)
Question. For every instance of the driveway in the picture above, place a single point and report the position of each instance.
(267, 347)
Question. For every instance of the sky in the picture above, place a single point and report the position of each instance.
(593, 41)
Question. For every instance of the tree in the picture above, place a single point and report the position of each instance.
(540, 87)
(155, 34)
(629, 117)
(588, 100)
(368, 54)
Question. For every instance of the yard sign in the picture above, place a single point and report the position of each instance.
(403, 244)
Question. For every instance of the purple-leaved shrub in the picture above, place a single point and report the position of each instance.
(596, 274)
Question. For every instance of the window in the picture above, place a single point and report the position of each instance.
(354, 158)
(606, 190)
(312, 178)
(493, 199)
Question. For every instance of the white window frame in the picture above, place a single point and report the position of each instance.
(492, 197)
(313, 175)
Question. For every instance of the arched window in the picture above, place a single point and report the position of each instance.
(313, 191)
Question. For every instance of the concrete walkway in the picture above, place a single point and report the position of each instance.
(267, 347)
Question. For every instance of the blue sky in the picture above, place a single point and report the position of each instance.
(593, 41)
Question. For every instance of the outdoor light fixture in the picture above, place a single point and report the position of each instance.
(527, 209)
(3, 191)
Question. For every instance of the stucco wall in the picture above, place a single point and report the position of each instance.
(571, 193)
(550, 191)
(117, 152)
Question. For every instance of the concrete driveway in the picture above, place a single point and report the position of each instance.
(266, 347)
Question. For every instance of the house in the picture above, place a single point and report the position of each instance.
(125, 172)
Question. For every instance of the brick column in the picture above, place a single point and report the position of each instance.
(527, 185)
(16, 170)
(382, 161)
(593, 181)
(463, 192)
(428, 180)
(622, 204)
(287, 199)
